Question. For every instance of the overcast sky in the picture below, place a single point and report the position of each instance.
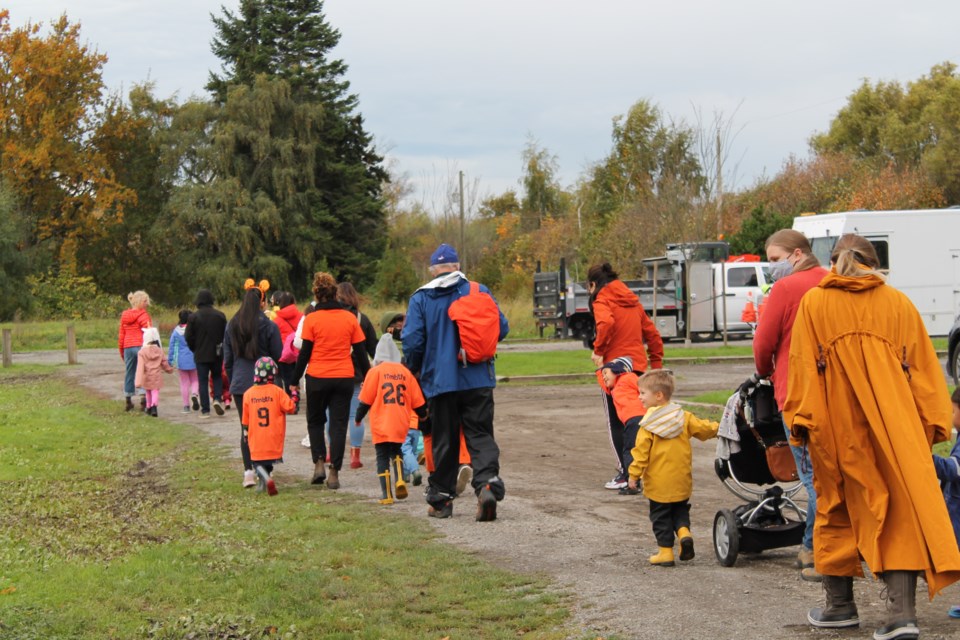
(447, 85)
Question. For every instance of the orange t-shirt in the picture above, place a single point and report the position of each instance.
(264, 414)
(393, 394)
(332, 332)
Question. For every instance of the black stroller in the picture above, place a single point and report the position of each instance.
(763, 522)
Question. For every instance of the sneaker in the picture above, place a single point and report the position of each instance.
(306, 441)
(195, 400)
(417, 478)
(218, 407)
(804, 558)
(486, 505)
(441, 509)
(809, 574)
(464, 476)
(249, 479)
(186, 409)
(617, 483)
(265, 481)
(627, 491)
(205, 414)
(271, 486)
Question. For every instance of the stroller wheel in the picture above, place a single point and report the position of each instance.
(726, 537)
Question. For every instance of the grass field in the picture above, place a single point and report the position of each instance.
(114, 530)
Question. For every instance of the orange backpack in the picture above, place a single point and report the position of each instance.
(477, 319)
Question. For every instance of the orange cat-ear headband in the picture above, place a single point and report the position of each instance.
(263, 287)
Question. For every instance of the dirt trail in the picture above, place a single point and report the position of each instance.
(558, 520)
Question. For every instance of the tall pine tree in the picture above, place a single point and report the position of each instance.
(290, 133)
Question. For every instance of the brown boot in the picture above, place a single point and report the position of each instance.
(333, 478)
(840, 610)
(355, 458)
(319, 473)
(901, 596)
(129, 404)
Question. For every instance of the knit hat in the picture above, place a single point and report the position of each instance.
(386, 350)
(151, 334)
(264, 370)
(445, 254)
(389, 318)
(619, 365)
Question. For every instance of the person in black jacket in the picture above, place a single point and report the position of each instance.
(250, 335)
(348, 297)
(204, 336)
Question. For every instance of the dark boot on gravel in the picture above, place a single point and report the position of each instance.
(333, 478)
(319, 473)
(840, 611)
(900, 621)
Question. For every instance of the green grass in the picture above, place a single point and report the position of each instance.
(114, 527)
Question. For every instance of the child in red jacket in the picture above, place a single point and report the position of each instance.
(620, 383)
(265, 406)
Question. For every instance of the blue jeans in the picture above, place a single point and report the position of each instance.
(409, 451)
(130, 374)
(805, 472)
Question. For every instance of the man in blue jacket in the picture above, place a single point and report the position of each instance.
(458, 395)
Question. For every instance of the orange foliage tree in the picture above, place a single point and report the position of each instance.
(51, 105)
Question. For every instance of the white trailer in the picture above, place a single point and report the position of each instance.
(920, 247)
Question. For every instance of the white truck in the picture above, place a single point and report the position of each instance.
(691, 283)
(920, 247)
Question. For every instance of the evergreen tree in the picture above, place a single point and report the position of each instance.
(291, 133)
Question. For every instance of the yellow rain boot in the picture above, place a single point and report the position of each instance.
(664, 558)
(386, 488)
(686, 544)
(401, 487)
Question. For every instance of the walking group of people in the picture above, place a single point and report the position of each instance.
(266, 351)
(863, 399)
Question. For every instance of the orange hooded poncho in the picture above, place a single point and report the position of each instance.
(866, 388)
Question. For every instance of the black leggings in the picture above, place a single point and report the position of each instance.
(333, 394)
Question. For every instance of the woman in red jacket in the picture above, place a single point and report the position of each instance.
(795, 270)
(623, 329)
(132, 323)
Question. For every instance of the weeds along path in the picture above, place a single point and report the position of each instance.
(559, 521)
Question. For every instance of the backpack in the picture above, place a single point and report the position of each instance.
(476, 317)
(290, 353)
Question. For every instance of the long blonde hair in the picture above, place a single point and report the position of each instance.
(855, 256)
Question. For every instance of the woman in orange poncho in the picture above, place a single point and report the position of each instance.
(867, 392)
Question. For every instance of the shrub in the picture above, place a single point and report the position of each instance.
(63, 296)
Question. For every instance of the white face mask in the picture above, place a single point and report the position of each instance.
(780, 269)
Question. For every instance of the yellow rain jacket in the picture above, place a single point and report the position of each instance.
(866, 389)
(665, 463)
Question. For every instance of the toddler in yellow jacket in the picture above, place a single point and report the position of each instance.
(663, 458)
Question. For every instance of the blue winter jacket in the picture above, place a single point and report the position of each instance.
(948, 472)
(430, 341)
(178, 353)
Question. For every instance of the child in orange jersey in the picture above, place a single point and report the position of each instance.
(620, 382)
(663, 458)
(265, 406)
(391, 394)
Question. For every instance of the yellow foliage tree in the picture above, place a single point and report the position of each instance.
(51, 108)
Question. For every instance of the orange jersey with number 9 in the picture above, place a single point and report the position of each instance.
(264, 415)
(393, 394)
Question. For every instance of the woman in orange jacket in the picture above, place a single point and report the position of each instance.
(132, 323)
(866, 391)
(623, 329)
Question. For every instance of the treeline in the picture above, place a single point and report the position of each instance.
(275, 176)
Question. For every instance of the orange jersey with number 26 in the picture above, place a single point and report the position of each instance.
(264, 415)
(393, 394)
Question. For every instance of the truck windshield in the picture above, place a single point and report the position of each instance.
(822, 248)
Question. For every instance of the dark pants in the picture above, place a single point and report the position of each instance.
(206, 371)
(287, 370)
(244, 444)
(473, 411)
(333, 394)
(667, 517)
(387, 451)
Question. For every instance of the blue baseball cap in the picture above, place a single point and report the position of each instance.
(445, 254)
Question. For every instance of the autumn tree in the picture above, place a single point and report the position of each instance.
(916, 126)
(51, 112)
(14, 260)
(542, 196)
(297, 163)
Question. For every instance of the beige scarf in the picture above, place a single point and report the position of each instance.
(666, 421)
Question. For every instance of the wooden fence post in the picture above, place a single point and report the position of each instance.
(7, 348)
(72, 345)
